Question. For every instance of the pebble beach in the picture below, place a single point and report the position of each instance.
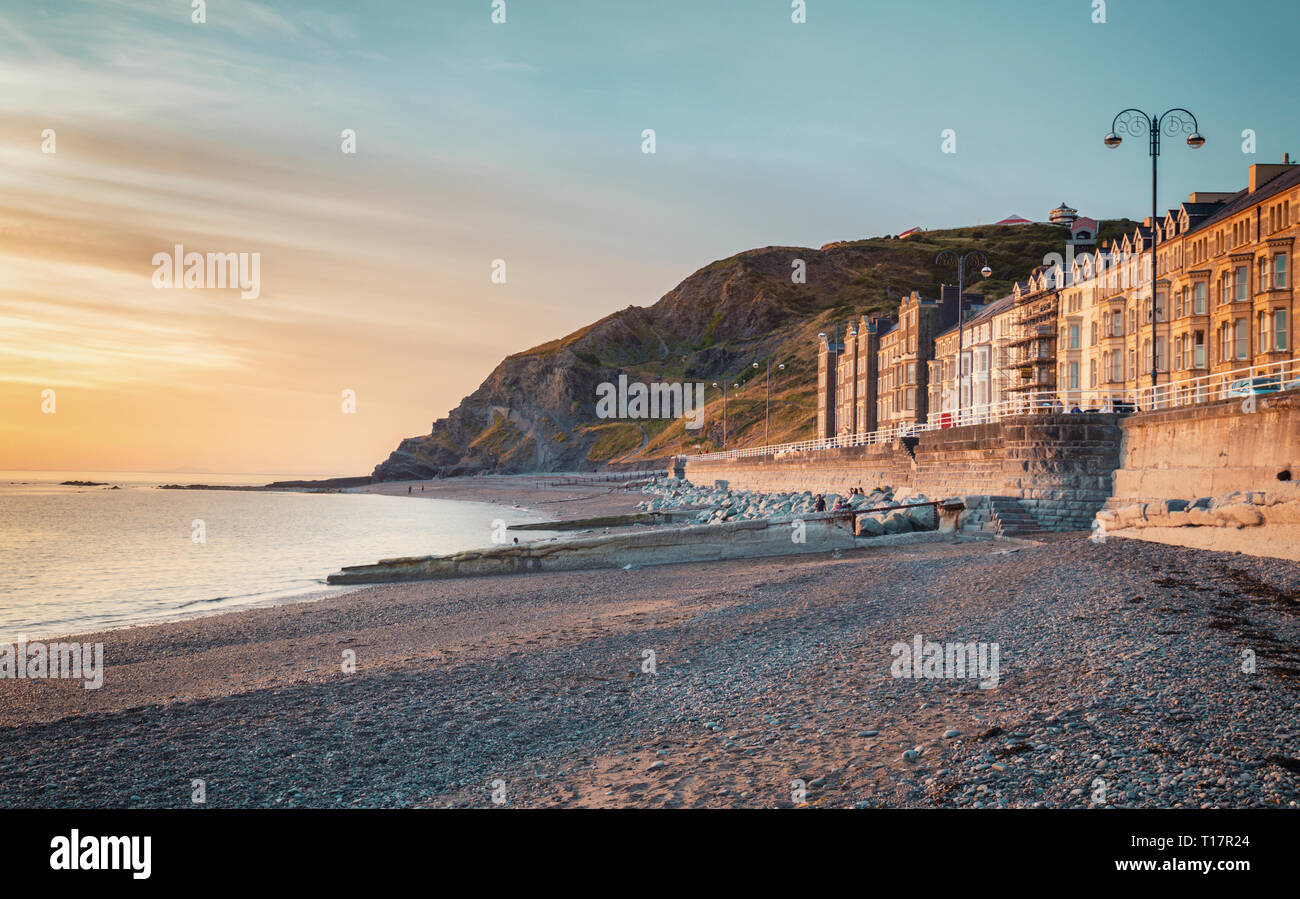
(762, 683)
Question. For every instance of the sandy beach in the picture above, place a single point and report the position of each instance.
(1120, 683)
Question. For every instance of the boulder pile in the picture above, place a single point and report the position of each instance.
(1280, 505)
(720, 503)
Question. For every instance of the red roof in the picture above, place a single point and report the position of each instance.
(1014, 219)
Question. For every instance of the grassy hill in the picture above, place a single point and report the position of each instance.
(536, 410)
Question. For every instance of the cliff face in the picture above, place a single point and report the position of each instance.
(536, 410)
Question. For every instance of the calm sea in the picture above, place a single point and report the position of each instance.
(75, 559)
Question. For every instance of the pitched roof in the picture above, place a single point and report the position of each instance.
(1244, 199)
(985, 312)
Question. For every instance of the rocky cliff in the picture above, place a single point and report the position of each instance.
(536, 410)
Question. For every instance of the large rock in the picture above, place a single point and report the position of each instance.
(899, 522)
(1240, 514)
(869, 526)
(922, 518)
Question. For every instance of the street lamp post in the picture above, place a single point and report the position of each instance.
(948, 257)
(723, 388)
(767, 386)
(1135, 122)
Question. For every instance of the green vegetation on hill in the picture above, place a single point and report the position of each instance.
(536, 411)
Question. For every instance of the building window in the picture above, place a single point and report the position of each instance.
(1243, 283)
(1198, 349)
(1243, 338)
(1263, 273)
(1092, 373)
(1074, 376)
(1279, 271)
(1279, 329)
(1179, 341)
(1198, 299)
(1094, 334)
(1225, 350)
(909, 398)
(1074, 337)
(1264, 321)
(1225, 288)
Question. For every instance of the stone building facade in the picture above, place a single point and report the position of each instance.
(882, 368)
(1080, 332)
(984, 376)
(1082, 328)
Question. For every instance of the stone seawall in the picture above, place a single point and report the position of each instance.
(1208, 450)
(1219, 476)
(1058, 466)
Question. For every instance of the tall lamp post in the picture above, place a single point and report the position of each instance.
(948, 257)
(723, 388)
(1136, 123)
(767, 386)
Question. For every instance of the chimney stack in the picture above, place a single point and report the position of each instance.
(1262, 173)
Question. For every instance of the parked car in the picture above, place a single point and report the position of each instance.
(1254, 386)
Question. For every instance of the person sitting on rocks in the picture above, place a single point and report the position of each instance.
(839, 504)
(819, 504)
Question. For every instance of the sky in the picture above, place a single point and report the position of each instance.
(519, 141)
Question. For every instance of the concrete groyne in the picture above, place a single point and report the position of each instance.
(658, 546)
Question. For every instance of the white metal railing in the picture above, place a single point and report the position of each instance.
(1251, 381)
